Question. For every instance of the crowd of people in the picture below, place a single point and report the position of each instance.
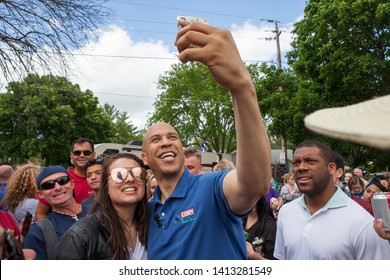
(160, 206)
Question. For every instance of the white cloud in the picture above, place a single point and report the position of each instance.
(128, 81)
(251, 42)
(122, 77)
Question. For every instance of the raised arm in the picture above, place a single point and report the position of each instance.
(218, 51)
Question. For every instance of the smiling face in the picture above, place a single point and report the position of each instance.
(128, 192)
(312, 173)
(81, 159)
(59, 196)
(163, 151)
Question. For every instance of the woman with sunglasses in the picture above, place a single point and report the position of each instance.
(116, 227)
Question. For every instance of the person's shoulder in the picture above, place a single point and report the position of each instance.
(287, 207)
(356, 206)
(30, 202)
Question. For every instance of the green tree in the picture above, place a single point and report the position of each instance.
(196, 106)
(124, 130)
(276, 89)
(343, 49)
(341, 56)
(41, 116)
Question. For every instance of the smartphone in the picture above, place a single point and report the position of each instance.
(26, 223)
(12, 249)
(190, 19)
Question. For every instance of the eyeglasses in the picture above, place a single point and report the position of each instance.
(85, 153)
(48, 185)
(119, 175)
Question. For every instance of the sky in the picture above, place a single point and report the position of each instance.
(136, 47)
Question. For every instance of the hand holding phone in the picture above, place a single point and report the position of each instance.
(190, 19)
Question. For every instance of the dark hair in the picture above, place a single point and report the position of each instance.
(92, 162)
(80, 141)
(265, 230)
(338, 160)
(117, 240)
(326, 151)
(376, 181)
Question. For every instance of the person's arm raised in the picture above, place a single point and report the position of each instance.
(218, 51)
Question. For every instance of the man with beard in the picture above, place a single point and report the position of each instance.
(324, 223)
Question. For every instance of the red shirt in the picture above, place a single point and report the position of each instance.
(81, 188)
(366, 205)
(7, 221)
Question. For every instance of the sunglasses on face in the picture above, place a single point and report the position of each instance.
(119, 175)
(85, 153)
(48, 185)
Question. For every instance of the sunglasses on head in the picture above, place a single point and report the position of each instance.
(99, 160)
(48, 185)
(85, 153)
(120, 174)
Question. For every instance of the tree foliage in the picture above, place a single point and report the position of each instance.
(124, 130)
(343, 49)
(276, 88)
(32, 32)
(196, 106)
(41, 116)
(341, 53)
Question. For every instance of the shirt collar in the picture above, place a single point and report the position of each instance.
(180, 189)
(338, 199)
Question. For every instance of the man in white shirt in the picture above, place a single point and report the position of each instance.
(324, 223)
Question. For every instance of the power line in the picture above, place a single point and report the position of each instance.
(180, 9)
(132, 56)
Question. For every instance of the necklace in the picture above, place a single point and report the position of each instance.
(74, 216)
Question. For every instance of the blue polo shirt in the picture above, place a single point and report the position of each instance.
(195, 222)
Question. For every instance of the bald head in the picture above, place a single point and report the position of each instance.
(5, 172)
(154, 130)
(358, 172)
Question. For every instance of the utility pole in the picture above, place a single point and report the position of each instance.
(279, 58)
(276, 38)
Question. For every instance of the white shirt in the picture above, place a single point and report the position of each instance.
(139, 251)
(341, 230)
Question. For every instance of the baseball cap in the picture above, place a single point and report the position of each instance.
(366, 123)
(49, 170)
